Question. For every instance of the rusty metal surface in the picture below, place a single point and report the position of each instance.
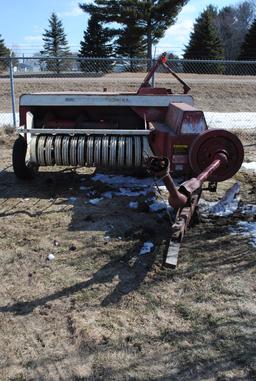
(178, 230)
(185, 119)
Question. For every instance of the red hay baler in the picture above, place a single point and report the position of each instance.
(151, 128)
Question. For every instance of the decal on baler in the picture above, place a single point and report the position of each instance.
(179, 149)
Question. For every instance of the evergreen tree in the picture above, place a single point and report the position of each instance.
(4, 52)
(55, 45)
(131, 44)
(152, 16)
(204, 43)
(232, 23)
(95, 43)
(248, 50)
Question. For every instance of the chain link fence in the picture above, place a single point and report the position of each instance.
(224, 90)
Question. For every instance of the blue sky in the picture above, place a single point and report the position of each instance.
(22, 23)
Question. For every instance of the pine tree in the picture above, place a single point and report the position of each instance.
(248, 50)
(204, 43)
(153, 16)
(55, 45)
(232, 23)
(4, 52)
(131, 44)
(95, 43)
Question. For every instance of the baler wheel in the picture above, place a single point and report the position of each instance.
(23, 170)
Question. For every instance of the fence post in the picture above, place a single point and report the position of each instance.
(12, 91)
(153, 76)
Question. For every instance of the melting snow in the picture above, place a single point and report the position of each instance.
(95, 201)
(157, 205)
(225, 207)
(108, 195)
(231, 120)
(122, 181)
(249, 209)
(146, 248)
(250, 166)
(133, 205)
(6, 119)
(246, 229)
(130, 193)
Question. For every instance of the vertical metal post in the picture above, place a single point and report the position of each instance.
(12, 91)
(153, 63)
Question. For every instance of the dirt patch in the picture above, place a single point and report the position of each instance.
(99, 311)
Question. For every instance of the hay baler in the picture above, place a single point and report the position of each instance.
(151, 128)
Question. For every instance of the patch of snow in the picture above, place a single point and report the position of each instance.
(146, 248)
(133, 205)
(250, 166)
(231, 120)
(95, 201)
(122, 181)
(6, 118)
(108, 195)
(130, 193)
(249, 209)
(246, 229)
(157, 205)
(225, 207)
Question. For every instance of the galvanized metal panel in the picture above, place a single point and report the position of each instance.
(68, 99)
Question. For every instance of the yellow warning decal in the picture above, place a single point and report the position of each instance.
(180, 148)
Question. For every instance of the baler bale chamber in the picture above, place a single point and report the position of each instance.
(151, 128)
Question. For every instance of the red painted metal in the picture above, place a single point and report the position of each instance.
(162, 60)
(178, 198)
(186, 88)
(205, 147)
(185, 119)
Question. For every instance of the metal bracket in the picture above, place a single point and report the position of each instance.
(181, 224)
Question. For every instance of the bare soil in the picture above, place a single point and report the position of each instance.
(99, 311)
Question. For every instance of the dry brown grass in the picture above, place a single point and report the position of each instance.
(211, 92)
(100, 312)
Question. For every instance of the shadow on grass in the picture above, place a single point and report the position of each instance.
(224, 351)
(129, 280)
(211, 249)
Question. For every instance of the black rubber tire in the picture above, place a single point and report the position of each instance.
(20, 168)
